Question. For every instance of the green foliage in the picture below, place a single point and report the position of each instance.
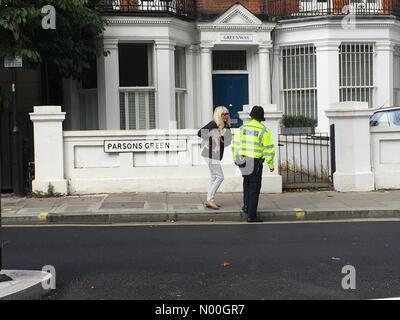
(50, 193)
(70, 47)
(298, 121)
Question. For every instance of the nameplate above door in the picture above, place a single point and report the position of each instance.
(237, 38)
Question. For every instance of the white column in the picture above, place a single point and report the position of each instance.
(49, 151)
(352, 146)
(192, 87)
(276, 80)
(264, 74)
(384, 74)
(272, 181)
(327, 60)
(108, 87)
(206, 82)
(165, 71)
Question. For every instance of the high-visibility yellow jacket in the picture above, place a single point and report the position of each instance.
(254, 140)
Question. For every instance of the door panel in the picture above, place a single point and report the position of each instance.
(231, 91)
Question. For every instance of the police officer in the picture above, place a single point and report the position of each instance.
(252, 145)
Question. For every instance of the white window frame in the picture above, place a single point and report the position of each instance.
(150, 103)
(356, 75)
(181, 87)
(299, 86)
(396, 75)
(135, 93)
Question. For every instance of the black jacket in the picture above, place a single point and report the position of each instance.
(214, 149)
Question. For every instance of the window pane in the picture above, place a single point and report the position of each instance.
(229, 60)
(133, 65)
(180, 68)
(137, 109)
(356, 76)
(299, 80)
(180, 109)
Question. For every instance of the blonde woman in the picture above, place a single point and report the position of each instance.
(216, 136)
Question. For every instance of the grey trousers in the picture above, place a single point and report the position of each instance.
(217, 176)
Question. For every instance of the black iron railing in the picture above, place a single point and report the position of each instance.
(312, 8)
(180, 8)
(305, 160)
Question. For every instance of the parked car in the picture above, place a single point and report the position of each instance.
(387, 116)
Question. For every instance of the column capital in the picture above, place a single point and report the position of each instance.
(265, 47)
(384, 46)
(110, 44)
(327, 46)
(193, 49)
(165, 45)
(206, 46)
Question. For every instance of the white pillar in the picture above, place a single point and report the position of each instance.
(49, 149)
(384, 74)
(327, 61)
(272, 181)
(206, 90)
(264, 74)
(352, 146)
(192, 87)
(108, 87)
(165, 71)
(276, 80)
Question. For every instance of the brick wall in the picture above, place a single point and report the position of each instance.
(219, 6)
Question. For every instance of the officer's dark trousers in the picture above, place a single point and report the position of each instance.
(251, 189)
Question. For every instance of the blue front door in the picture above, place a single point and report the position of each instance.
(231, 91)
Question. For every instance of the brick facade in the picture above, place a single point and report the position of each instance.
(275, 8)
(219, 6)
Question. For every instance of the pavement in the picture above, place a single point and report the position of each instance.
(189, 207)
(23, 284)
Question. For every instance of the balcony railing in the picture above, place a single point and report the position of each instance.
(180, 8)
(312, 8)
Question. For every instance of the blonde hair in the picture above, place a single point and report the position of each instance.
(218, 117)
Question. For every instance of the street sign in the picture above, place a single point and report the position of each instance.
(120, 146)
(13, 62)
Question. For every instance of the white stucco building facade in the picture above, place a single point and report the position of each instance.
(303, 65)
(162, 76)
